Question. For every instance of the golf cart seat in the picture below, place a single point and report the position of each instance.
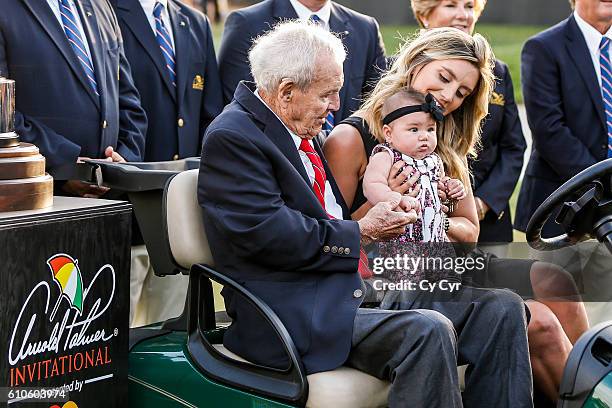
(188, 245)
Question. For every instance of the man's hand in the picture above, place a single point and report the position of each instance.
(112, 155)
(382, 223)
(82, 189)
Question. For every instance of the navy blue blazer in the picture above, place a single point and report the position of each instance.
(565, 113)
(177, 116)
(57, 109)
(360, 35)
(268, 231)
(497, 168)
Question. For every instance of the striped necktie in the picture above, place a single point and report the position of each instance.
(329, 119)
(75, 38)
(319, 189)
(606, 86)
(163, 39)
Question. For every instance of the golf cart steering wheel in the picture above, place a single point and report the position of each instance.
(586, 210)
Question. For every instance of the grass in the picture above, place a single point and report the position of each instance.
(506, 41)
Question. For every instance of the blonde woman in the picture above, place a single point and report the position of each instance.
(457, 69)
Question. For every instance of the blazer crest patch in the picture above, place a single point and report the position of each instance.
(497, 99)
(198, 83)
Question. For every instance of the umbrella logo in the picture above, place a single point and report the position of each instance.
(67, 275)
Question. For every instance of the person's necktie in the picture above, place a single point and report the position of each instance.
(163, 39)
(329, 119)
(75, 38)
(319, 190)
(606, 86)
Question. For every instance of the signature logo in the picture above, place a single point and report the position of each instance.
(72, 329)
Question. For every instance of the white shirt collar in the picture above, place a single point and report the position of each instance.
(591, 35)
(304, 12)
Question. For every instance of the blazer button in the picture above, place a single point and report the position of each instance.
(340, 250)
(326, 248)
(347, 251)
(104, 124)
(334, 249)
(175, 157)
(181, 122)
(604, 146)
(357, 293)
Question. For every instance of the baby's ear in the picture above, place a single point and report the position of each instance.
(387, 133)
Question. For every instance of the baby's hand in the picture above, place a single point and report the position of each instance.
(408, 204)
(455, 189)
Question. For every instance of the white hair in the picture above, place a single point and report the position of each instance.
(290, 50)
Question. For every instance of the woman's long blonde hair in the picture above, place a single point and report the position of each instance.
(459, 132)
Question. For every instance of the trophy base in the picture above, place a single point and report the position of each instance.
(10, 139)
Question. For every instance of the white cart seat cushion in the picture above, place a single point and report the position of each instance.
(343, 387)
(186, 236)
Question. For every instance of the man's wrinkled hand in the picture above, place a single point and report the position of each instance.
(383, 223)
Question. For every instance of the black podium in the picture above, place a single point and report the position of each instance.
(64, 304)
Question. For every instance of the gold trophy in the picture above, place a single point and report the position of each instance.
(24, 185)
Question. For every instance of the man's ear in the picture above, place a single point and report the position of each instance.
(286, 90)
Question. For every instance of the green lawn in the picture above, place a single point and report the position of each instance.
(506, 41)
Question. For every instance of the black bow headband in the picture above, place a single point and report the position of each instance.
(430, 106)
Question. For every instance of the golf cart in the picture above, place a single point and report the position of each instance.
(182, 362)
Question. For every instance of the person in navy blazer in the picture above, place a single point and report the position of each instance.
(57, 109)
(178, 116)
(565, 111)
(359, 33)
(269, 231)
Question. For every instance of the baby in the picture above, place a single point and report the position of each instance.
(409, 127)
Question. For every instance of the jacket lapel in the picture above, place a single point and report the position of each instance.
(182, 47)
(134, 17)
(579, 52)
(45, 17)
(271, 126)
(339, 24)
(283, 10)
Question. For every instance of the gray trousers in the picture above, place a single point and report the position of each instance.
(415, 350)
(491, 326)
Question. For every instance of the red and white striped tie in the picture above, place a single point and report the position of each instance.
(319, 190)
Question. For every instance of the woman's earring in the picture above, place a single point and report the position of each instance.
(425, 24)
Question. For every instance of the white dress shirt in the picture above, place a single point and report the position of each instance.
(304, 13)
(55, 7)
(331, 205)
(148, 6)
(593, 40)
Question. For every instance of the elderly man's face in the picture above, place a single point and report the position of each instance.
(305, 111)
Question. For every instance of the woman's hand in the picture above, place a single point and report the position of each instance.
(401, 182)
(455, 189)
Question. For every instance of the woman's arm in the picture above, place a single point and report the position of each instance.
(346, 157)
(464, 225)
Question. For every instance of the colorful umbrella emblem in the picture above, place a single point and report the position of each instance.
(67, 275)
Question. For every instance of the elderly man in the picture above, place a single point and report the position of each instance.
(274, 218)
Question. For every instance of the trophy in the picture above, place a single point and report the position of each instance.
(24, 185)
